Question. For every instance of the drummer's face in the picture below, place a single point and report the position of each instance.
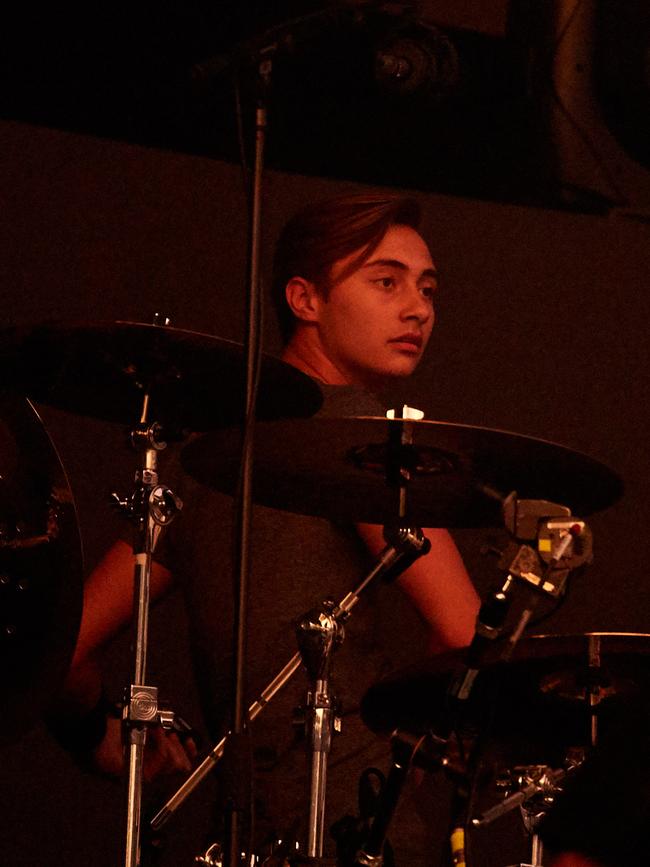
(376, 322)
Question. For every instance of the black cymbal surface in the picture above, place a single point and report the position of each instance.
(103, 370)
(336, 467)
(545, 693)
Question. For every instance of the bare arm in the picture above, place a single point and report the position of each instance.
(438, 586)
(108, 607)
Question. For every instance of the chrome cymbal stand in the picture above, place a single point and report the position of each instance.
(405, 544)
(151, 507)
(403, 547)
(319, 634)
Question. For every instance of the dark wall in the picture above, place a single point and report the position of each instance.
(542, 330)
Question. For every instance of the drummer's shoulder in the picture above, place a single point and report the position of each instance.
(344, 401)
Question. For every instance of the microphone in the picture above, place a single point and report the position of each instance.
(284, 36)
(410, 63)
(414, 55)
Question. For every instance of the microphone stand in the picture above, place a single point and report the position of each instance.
(243, 517)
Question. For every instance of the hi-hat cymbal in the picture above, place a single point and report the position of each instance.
(41, 583)
(103, 370)
(546, 692)
(334, 467)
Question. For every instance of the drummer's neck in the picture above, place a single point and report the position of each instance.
(319, 369)
(311, 358)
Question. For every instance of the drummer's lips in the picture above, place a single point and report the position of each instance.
(410, 343)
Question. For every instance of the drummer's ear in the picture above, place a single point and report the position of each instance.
(303, 299)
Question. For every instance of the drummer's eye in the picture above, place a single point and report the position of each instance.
(385, 282)
(428, 292)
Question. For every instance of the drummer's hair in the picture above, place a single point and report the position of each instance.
(329, 230)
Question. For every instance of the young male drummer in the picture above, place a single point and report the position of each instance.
(354, 287)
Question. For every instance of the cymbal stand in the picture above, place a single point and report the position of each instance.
(151, 506)
(317, 652)
(563, 543)
(403, 547)
(318, 636)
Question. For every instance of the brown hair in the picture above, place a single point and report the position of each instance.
(325, 232)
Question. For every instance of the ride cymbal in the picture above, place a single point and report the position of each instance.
(336, 468)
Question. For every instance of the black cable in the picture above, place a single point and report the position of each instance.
(241, 143)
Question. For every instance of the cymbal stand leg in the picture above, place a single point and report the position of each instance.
(151, 506)
(320, 726)
(536, 851)
(531, 822)
(318, 633)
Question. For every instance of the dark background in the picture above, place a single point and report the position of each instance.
(542, 316)
(508, 100)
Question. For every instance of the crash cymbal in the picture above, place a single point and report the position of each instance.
(103, 370)
(334, 467)
(40, 569)
(544, 692)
